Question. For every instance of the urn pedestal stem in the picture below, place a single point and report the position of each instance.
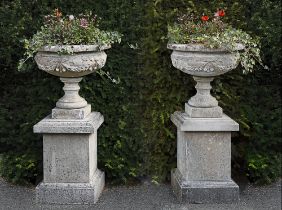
(203, 98)
(203, 104)
(71, 99)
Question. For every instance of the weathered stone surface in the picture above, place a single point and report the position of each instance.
(71, 193)
(221, 191)
(87, 125)
(80, 60)
(78, 114)
(69, 158)
(204, 155)
(186, 123)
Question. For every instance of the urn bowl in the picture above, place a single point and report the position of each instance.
(198, 60)
(70, 61)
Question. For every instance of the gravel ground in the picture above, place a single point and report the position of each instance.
(144, 197)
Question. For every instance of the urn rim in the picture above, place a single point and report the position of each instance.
(75, 48)
(193, 47)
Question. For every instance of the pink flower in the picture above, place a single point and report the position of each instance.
(83, 23)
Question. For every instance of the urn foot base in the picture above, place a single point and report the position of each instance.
(71, 193)
(197, 112)
(204, 191)
(78, 114)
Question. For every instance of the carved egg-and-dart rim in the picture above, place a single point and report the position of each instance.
(82, 59)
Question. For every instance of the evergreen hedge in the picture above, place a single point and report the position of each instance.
(137, 138)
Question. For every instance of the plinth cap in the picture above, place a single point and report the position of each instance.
(87, 125)
(186, 123)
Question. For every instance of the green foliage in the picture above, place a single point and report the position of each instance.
(263, 168)
(137, 137)
(24, 170)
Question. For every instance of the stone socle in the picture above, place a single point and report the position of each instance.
(71, 193)
(204, 192)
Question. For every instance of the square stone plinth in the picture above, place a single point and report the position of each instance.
(70, 174)
(71, 193)
(223, 191)
(203, 173)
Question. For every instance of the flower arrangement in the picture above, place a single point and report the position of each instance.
(68, 30)
(213, 32)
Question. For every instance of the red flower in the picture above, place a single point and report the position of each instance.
(219, 13)
(205, 18)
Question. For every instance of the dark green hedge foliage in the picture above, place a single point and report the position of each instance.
(137, 138)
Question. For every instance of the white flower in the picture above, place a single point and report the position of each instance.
(71, 17)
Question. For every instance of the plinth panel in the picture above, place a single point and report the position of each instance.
(69, 158)
(204, 155)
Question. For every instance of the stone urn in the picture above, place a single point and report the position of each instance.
(70, 173)
(71, 63)
(203, 64)
(203, 173)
